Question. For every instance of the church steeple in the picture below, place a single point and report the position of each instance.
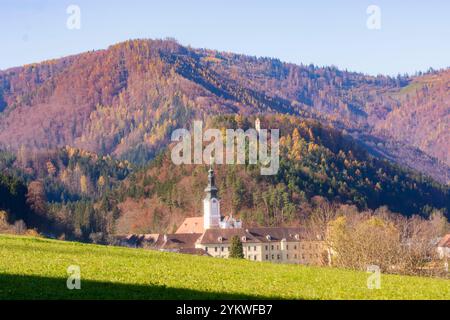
(211, 204)
(211, 189)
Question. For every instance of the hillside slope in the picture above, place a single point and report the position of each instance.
(422, 116)
(125, 101)
(122, 273)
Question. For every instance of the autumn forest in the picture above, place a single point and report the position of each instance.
(85, 140)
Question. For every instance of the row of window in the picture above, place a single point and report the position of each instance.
(266, 247)
(272, 247)
(278, 257)
(272, 257)
(303, 246)
(217, 249)
(287, 256)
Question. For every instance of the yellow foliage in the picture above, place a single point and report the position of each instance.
(64, 176)
(51, 169)
(32, 233)
(312, 147)
(101, 182)
(83, 184)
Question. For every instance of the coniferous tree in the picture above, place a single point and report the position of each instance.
(236, 250)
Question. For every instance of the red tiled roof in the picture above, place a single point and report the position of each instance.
(139, 239)
(187, 241)
(225, 236)
(252, 235)
(178, 241)
(191, 225)
(278, 234)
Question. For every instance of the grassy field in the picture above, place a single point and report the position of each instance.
(34, 268)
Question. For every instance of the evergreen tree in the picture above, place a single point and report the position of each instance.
(236, 250)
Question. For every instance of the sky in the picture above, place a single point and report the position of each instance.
(402, 36)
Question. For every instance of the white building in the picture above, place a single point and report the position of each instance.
(212, 235)
(443, 247)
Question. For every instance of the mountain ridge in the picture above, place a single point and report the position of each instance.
(125, 101)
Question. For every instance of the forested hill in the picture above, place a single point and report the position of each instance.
(316, 162)
(124, 101)
(31, 183)
(90, 197)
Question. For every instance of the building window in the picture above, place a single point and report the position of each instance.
(267, 257)
(248, 248)
(221, 248)
(295, 247)
(254, 258)
(287, 256)
(295, 256)
(278, 247)
(206, 249)
(287, 247)
(272, 257)
(254, 248)
(215, 249)
(267, 248)
(272, 247)
(278, 256)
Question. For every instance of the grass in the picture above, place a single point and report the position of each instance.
(411, 88)
(35, 268)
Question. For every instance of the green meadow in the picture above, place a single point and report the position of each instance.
(36, 268)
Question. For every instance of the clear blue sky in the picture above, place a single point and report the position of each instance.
(414, 35)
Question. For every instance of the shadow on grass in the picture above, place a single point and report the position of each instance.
(18, 287)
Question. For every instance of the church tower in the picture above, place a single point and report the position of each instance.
(211, 204)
